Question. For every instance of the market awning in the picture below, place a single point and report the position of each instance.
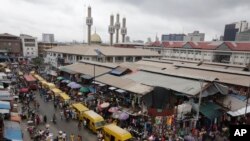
(65, 69)
(12, 131)
(85, 76)
(210, 110)
(120, 91)
(112, 88)
(7, 70)
(4, 105)
(239, 112)
(4, 111)
(119, 71)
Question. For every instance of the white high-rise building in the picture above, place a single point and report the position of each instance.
(48, 38)
(29, 46)
(196, 36)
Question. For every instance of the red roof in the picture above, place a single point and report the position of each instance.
(29, 78)
(238, 46)
(172, 44)
(205, 45)
(156, 44)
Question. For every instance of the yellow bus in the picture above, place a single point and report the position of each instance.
(113, 132)
(80, 109)
(94, 121)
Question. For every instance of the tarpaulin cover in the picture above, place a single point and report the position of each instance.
(4, 105)
(12, 131)
(160, 98)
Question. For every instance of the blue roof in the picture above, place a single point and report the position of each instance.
(4, 105)
(12, 131)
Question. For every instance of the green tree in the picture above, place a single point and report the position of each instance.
(38, 61)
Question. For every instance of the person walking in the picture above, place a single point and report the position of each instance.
(72, 137)
(45, 119)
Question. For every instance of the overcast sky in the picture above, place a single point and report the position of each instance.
(145, 18)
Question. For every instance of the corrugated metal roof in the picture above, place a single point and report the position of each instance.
(85, 69)
(125, 84)
(185, 86)
(106, 51)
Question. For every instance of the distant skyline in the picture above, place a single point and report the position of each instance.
(145, 18)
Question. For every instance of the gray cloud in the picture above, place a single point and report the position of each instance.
(145, 18)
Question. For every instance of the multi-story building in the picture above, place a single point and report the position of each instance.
(243, 36)
(196, 36)
(30, 47)
(172, 37)
(232, 29)
(42, 46)
(10, 45)
(48, 38)
(221, 52)
(62, 55)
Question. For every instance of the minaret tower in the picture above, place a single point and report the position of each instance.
(89, 22)
(111, 29)
(123, 29)
(117, 27)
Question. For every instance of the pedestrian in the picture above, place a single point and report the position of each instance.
(72, 136)
(79, 138)
(61, 114)
(79, 125)
(45, 119)
(84, 123)
(64, 136)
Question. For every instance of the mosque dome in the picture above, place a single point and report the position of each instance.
(95, 38)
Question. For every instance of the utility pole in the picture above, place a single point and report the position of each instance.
(199, 103)
(247, 99)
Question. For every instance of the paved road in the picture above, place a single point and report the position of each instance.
(68, 127)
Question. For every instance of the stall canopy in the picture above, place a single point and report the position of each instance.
(50, 85)
(12, 131)
(119, 71)
(4, 111)
(230, 102)
(125, 84)
(120, 91)
(85, 76)
(7, 70)
(4, 105)
(66, 69)
(29, 78)
(240, 111)
(84, 89)
(210, 110)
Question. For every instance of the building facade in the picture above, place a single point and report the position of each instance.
(29, 45)
(232, 29)
(172, 37)
(63, 55)
(196, 36)
(243, 36)
(48, 38)
(237, 53)
(10, 45)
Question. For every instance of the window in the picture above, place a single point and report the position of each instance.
(28, 48)
(9, 43)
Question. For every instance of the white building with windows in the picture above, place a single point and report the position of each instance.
(237, 53)
(29, 46)
(62, 55)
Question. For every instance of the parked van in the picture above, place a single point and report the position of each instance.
(80, 109)
(113, 132)
(94, 121)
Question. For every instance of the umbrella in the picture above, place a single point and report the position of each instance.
(75, 86)
(89, 98)
(66, 81)
(123, 116)
(104, 105)
(71, 83)
(116, 114)
(24, 90)
(113, 109)
(84, 89)
(60, 78)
